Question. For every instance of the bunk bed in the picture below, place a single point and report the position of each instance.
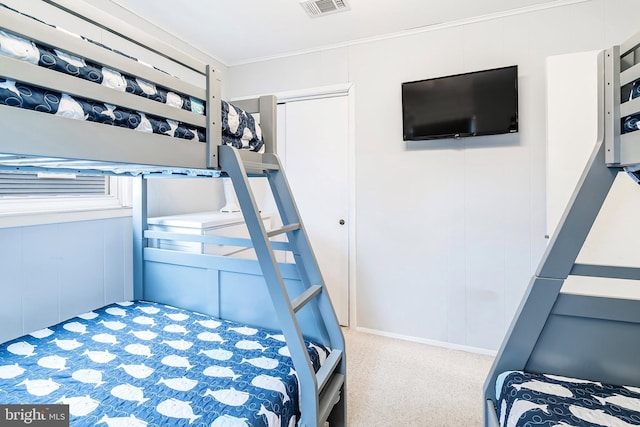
(571, 359)
(206, 340)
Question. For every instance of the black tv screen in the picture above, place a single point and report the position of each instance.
(461, 105)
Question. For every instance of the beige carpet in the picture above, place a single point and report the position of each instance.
(393, 382)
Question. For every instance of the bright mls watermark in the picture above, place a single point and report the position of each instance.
(34, 415)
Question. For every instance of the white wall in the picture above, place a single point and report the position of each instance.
(569, 147)
(448, 233)
(56, 271)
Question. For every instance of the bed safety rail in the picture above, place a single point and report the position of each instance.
(622, 103)
(266, 107)
(122, 29)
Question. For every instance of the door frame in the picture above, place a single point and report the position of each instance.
(348, 90)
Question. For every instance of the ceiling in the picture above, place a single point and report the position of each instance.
(241, 31)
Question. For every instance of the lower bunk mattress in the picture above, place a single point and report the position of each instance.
(140, 363)
(530, 399)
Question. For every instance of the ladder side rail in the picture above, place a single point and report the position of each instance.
(304, 257)
(310, 271)
(232, 164)
(332, 401)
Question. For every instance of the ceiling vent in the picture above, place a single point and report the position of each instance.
(315, 8)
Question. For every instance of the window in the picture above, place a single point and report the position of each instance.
(24, 192)
(43, 184)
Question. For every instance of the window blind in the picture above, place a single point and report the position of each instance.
(16, 184)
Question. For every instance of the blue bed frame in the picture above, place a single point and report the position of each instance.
(255, 292)
(581, 336)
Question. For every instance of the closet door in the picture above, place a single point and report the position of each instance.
(314, 147)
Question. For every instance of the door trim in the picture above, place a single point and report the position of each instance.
(314, 93)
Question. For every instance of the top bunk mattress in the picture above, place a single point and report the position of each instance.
(141, 363)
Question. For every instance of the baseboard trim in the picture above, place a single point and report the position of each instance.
(435, 343)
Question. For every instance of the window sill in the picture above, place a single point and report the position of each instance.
(13, 219)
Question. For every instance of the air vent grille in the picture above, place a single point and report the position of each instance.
(316, 8)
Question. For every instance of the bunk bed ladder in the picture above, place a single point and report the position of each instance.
(322, 394)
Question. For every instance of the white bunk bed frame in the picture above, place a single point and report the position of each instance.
(570, 335)
(234, 289)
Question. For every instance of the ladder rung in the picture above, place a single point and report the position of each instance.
(282, 230)
(327, 368)
(305, 297)
(330, 397)
(248, 165)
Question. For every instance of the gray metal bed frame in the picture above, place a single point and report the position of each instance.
(234, 289)
(571, 335)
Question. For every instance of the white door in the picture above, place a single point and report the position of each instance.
(313, 144)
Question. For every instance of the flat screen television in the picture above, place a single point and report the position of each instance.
(471, 104)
